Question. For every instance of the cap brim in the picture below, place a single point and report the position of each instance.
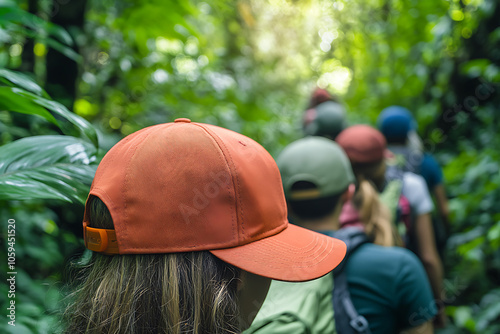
(295, 254)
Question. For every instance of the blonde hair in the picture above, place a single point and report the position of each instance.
(191, 292)
(374, 214)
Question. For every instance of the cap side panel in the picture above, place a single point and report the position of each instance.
(260, 191)
(232, 167)
(125, 223)
(109, 180)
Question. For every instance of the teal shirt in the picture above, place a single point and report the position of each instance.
(389, 287)
(431, 172)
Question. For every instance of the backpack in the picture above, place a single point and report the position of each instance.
(392, 196)
(347, 319)
(411, 160)
(408, 160)
(405, 216)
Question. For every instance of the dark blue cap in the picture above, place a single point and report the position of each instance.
(395, 122)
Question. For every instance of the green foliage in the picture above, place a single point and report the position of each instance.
(218, 77)
(12, 78)
(249, 66)
(12, 100)
(17, 24)
(37, 173)
(474, 178)
(57, 108)
(44, 167)
(41, 246)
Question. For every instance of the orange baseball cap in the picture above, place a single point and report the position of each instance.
(183, 187)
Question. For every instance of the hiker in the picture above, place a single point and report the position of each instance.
(325, 116)
(187, 224)
(367, 151)
(305, 307)
(320, 95)
(389, 291)
(398, 126)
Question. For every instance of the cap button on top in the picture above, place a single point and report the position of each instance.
(182, 120)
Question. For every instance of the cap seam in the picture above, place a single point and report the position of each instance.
(236, 194)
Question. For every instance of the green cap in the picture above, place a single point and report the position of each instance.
(317, 160)
(327, 119)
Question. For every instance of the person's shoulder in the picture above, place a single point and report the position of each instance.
(429, 163)
(415, 190)
(386, 265)
(413, 186)
(413, 179)
(392, 252)
(281, 290)
(390, 256)
(409, 267)
(402, 255)
(431, 170)
(297, 307)
(428, 158)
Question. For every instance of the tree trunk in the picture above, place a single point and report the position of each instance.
(62, 72)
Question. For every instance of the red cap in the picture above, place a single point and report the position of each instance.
(182, 187)
(319, 96)
(363, 144)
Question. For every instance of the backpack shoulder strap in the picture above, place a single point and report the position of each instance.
(398, 205)
(391, 194)
(353, 237)
(347, 319)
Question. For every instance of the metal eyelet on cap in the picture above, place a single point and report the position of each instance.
(182, 120)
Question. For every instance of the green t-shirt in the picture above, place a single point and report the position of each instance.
(289, 307)
(389, 287)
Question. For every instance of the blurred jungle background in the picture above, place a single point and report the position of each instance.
(76, 76)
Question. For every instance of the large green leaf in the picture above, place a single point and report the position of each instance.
(46, 167)
(11, 100)
(85, 127)
(59, 32)
(64, 182)
(67, 51)
(45, 150)
(22, 81)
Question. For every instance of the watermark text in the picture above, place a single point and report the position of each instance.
(11, 271)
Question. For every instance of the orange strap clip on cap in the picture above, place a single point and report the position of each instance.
(100, 240)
